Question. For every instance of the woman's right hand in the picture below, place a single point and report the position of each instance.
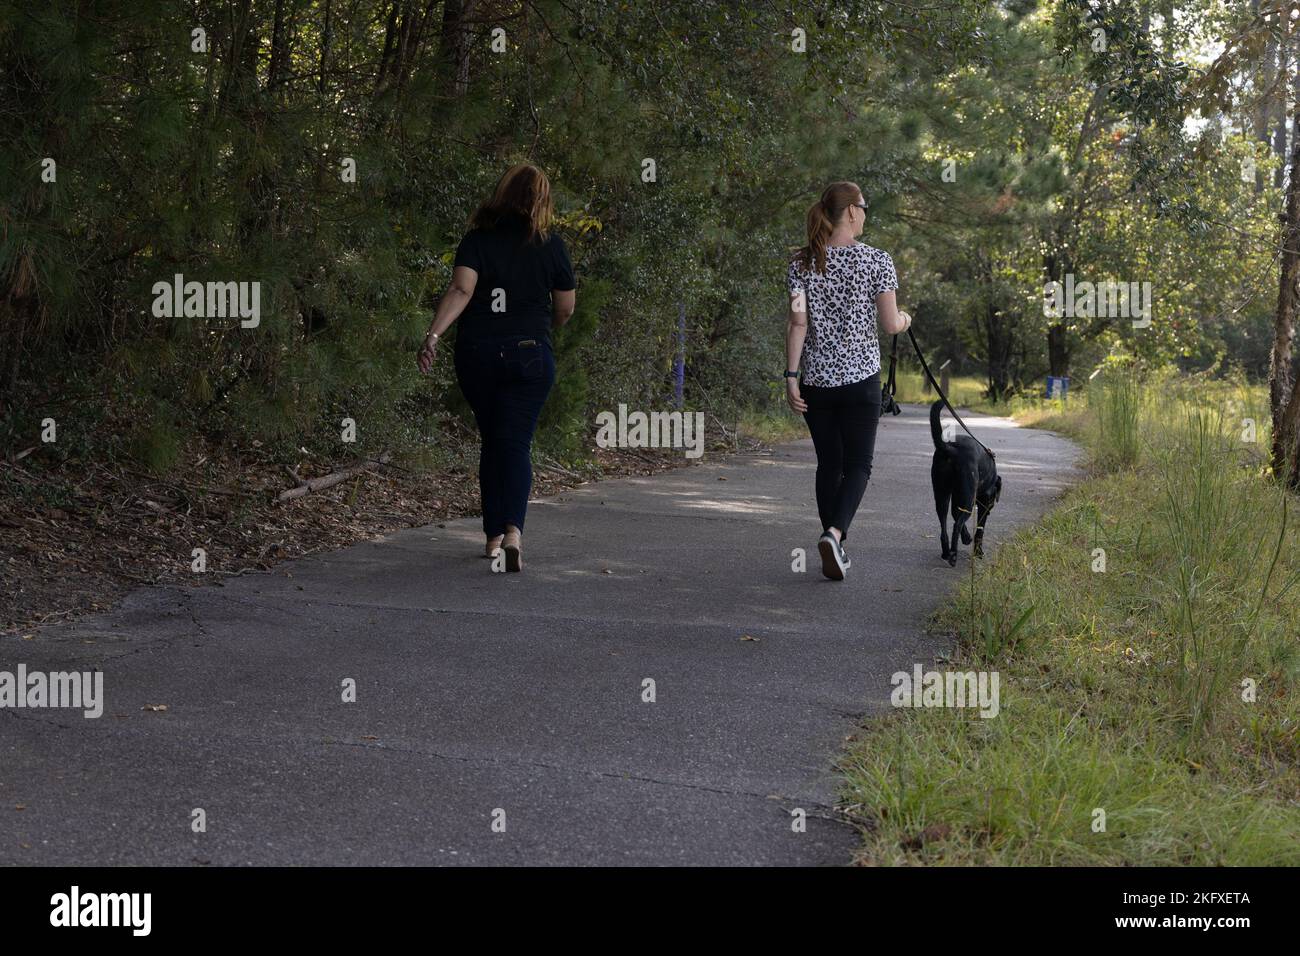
(793, 397)
(428, 350)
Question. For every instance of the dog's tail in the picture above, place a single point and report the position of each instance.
(936, 430)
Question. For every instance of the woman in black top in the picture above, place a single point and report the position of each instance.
(511, 283)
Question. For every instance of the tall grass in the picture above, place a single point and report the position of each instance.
(1145, 633)
(1118, 403)
(1226, 531)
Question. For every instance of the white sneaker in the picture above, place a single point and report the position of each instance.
(834, 560)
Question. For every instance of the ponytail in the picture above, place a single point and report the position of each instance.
(822, 216)
(819, 230)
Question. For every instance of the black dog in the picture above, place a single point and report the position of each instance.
(965, 474)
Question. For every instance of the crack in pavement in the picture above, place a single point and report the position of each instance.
(569, 770)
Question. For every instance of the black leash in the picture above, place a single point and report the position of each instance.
(888, 403)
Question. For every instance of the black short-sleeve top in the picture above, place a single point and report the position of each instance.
(515, 280)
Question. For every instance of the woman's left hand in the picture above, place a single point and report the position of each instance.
(427, 353)
(792, 396)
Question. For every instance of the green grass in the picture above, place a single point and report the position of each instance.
(963, 391)
(1122, 689)
(773, 427)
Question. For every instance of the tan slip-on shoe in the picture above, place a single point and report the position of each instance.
(513, 548)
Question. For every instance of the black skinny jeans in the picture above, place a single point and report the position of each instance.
(505, 379)
(843, 422)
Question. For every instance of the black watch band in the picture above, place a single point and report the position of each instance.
(790, 374)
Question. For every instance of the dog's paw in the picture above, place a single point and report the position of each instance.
(952, 560)
(978, 550)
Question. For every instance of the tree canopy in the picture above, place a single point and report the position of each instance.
(332, 151)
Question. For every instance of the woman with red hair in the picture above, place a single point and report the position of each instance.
(839, 289)
(512, 282)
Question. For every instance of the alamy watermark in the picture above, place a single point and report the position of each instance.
(947, 689)
(75, 690)
(208, 300)
(1105, 300)
(652, 430)
(75, 908)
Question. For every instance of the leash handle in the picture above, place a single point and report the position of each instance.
(947, 404)
(887, 403)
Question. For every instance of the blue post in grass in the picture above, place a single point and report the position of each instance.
(1058, 386)
(679, 363)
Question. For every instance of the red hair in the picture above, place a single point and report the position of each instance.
(822, 217)
(523, 190)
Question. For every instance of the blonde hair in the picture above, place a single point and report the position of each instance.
(524, 190)
(822, 217)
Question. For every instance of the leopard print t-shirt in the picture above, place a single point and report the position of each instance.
(842, 346)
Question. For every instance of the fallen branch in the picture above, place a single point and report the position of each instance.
(19, 472)
(727, 435)
(185, 490)
(329, 481)
(550, 464)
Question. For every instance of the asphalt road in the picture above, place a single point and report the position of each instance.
(484, 698)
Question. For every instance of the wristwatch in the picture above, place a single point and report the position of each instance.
(790, 374)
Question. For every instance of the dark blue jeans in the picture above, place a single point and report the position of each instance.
(505, 379)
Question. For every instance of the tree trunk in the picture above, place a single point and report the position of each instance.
(1273, 139)
(1278, 107)
(279, 65)
(324, 47)
(1279, 376)
(999, 348)
(390, 46)
(1288, 426)
(1058, 338)
(454, 47)
(999, 340)
(1058, 350)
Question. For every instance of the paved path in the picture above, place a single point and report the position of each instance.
(523, 692)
